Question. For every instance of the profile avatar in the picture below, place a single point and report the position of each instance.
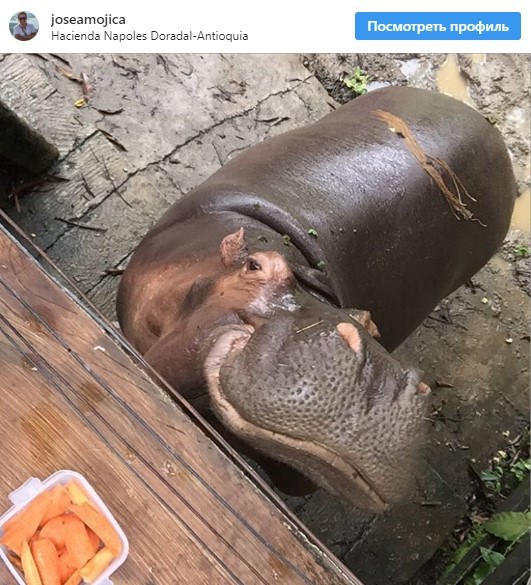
(24, 26)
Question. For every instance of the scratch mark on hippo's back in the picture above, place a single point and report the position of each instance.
(433, 166)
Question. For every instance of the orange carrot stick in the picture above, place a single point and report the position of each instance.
(47, 561)
(56, 528)
(66, 567)
(24, 525)
(36, 536)
(31, 573)
(14, 537)
(60, 500)
(78, 544)
(99, 524)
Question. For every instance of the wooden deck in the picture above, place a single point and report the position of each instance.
(74, 396)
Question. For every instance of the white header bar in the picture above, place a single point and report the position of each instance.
(276, 26)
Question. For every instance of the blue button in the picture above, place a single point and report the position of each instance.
(419, 26)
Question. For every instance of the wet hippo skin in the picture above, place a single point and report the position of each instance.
(355, 219)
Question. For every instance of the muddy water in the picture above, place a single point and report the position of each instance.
(522, 213)
(451, 81)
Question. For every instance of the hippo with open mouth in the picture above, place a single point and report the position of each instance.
(388, 205)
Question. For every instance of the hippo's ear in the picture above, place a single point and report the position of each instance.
(233, 248)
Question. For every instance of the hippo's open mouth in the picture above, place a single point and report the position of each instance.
(320, 463)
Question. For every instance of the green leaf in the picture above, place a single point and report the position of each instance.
(357, 82)
(509, 525)
(521, 251)
(494, 559)
(523, 465)
(472, 580)
(489, 476)
(312, 232)
(481, 573)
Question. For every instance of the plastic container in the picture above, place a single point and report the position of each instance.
(22, 496)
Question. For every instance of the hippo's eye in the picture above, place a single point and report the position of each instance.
(253, 265)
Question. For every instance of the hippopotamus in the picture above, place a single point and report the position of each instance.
(274, 291)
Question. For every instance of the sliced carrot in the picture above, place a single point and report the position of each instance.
(66, 567)
(60, 550)
(31, 573)
(75, 579)
(10, 523)
(78, 544)
(24, 525)
(60, 500)
(36, 536)
(94, 539)
(47, 561)
(14, 537)
(56, 529)
(99, 524)
(95, 567)
(76, 493)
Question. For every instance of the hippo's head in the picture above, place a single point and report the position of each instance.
(323, 397)
(301, 381)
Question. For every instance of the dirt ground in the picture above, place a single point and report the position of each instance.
(157, 125)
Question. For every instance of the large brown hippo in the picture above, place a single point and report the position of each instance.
(388, 204)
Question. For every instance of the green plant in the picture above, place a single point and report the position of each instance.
(520, 468)
(521, 251)
(357, 82)
(493, 478)
(508, 467)
(474, 537)
(491, 560)
(510, 527)
(504, 474)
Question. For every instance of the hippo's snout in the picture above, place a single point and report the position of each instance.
(328, 401)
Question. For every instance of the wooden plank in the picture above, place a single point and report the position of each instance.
(73, 398)
(6, 578)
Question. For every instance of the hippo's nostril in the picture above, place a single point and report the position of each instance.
(423, 389)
